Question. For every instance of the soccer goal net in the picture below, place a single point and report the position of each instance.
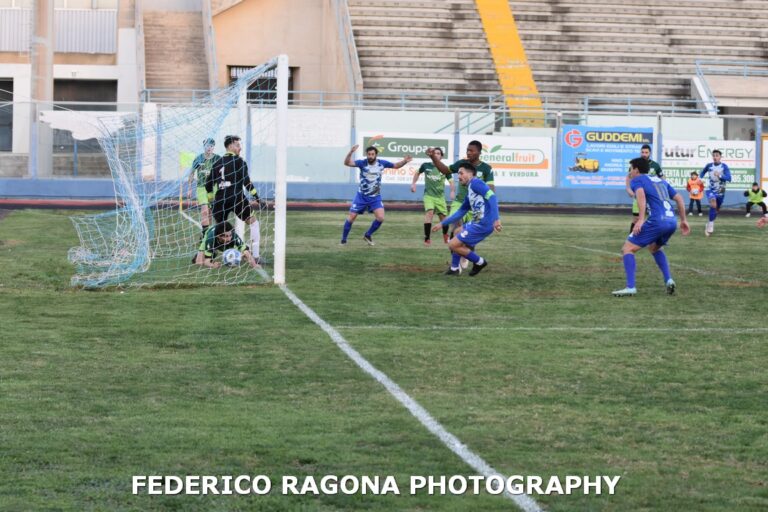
(159, 158)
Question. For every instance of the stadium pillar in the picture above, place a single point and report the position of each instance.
(40, 163)
(558, 159)
(456, 135)
(353, 137)
(657, 144)
(759, 154)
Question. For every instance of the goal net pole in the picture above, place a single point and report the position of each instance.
(281, 169)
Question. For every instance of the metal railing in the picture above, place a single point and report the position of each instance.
(731, 68)
(347, 39)
(404, 100)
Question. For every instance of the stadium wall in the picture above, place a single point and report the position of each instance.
(320, 138)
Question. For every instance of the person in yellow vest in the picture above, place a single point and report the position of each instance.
(695, 189)
(755, 197)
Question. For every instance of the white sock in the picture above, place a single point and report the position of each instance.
(481, 261)
(255, 238)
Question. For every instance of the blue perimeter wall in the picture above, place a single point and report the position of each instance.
(18, 188)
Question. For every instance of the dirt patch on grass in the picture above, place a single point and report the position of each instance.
(740, 284)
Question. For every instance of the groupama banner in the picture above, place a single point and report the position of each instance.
(516, 161)
(598, 157)
(394, 146)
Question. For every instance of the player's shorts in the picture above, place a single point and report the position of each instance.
(223, 206)
(711, 194)
(472, 234)
(362, 204)
(203, 197)
(455, 205)
(435, 203)
(653, 232)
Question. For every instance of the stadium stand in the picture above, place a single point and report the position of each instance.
(429, 47)
(638, 48)
(175, 52)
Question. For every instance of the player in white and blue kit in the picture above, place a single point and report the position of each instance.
(482, 202)
(368, 197)
(719, 173)
(655, 224)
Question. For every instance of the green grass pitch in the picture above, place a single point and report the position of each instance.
(532, 364)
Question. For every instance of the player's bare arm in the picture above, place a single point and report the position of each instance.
(626, 185)
(439, 165)
(404, 161)
(348, 161)
(414, 181)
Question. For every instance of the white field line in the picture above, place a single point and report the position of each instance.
(675, 265)
(523, 501)
(513, 328)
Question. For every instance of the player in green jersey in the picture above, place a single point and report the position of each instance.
(434, 196)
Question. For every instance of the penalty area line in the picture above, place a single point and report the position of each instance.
(523, 501)
(726, 330)
(675, 265)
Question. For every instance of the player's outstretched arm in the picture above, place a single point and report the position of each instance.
(439, 165)
(402, 162)
(250, 259)
(348, 160)
(205, 261)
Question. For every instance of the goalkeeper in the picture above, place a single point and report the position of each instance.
(217, 239)
(228, 181)
(201, 169)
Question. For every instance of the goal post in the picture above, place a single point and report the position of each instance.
(158, 158)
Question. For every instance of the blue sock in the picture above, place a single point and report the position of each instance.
(661, 261)
(473, 257)
(347, 227)
(712, 213)
(374, 226)
(455, 260)
(629, 269)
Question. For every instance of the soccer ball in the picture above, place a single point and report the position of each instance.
(231, 257)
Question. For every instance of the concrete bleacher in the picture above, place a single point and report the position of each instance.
(429, 47)
(633, 48)
(175, 52)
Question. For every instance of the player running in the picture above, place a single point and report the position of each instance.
(719, 174)
(653, 197)
(482, 202)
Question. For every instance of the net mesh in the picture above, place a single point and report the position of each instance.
(154, 234)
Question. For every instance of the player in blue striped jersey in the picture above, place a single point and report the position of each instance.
(368, 197)
(481, 201)
(655, 224)
(719, 173)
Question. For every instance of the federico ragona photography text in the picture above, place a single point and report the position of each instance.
(374, 485)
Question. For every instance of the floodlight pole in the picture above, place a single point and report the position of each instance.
(281, 168)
